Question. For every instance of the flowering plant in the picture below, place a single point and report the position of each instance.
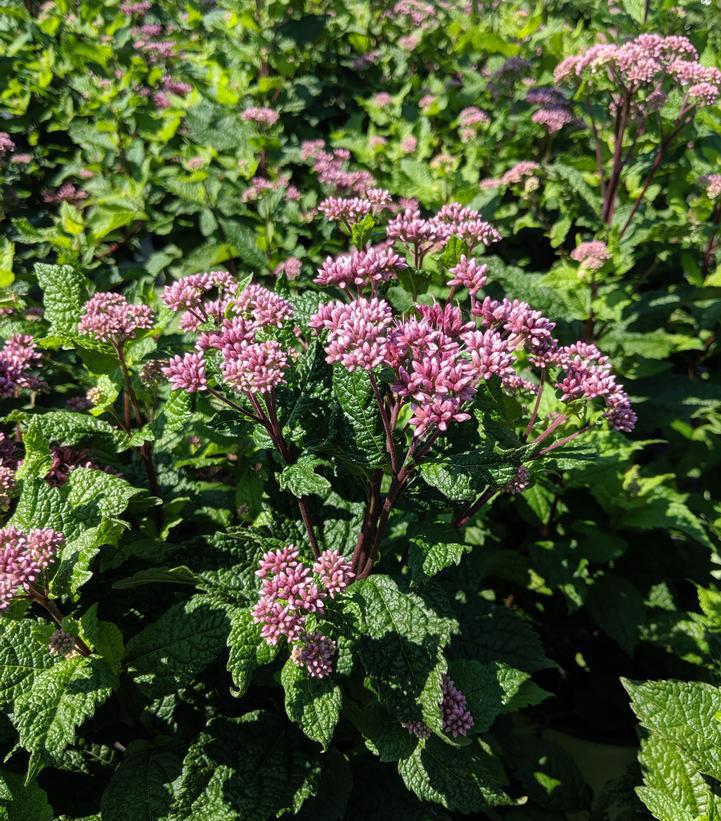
(360, 410)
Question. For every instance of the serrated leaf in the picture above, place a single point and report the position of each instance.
(464, 476)
(364, 430)
(141, 786)
(60, 700)
(459, 779)
(249, 767)
(248, 650)
(23, 656)
(302, 480)
(489, 688)
(685, 713)
(400, 643)
(85, 509)
(673, 788)
(65, 290)
(434, 547)
(313, 703)
(28, 802)
(167, 654)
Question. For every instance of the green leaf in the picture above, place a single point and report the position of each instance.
(28, 802)
(167, 654)
(684, 713)
(302, 480)
(250, 767)
(434, 547)
(24, 655)
(361, 231)
(313, 703)
(673, 788)
(7, 254)
(65, 290)
(85, 509)
(248, 650)
(104, 638)
(460, 779)
(365, 441)
(488, 688)
(141, 786)
(464, 476)
(400, 643)
(618, 608)
(61, 699)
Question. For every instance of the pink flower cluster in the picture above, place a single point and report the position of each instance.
(136, 8)
(66, 193)
(109, 317)
(64, 461)
(6, 142)
(61, 644)
(592, 255)
(231, 323)
(173, 86)
(440, 357)
(23, 557)
(586, 374)
(8, 468)
(352, 209)
(261, 116)
(421, 234)
(645, 60)
(712, 182)
(360, 268)
(18, 356)
(457, 718)
(552, 118)
(331, 171)
(470, 120)
(290, 590)
(523, 171)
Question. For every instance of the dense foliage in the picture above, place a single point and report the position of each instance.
(361, 410)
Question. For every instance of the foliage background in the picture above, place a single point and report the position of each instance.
(589, 604)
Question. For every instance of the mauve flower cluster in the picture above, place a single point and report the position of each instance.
(232, 323)
(470, 120)
(290, 591)
(261, 116)
(644, 61)
(457, 718)
(552, 118)
(61, 644)
(352, 209)
(586, 374)
(18, 356)
(439, 356)
(507, 75)
(522, 172)
(23, 557)
(109, 317)
(136, 8)
(420, 234)
(173, 86)
(360, 268)
(6, 142)
(261, 185)
(66, 193)
(64, 461)
(592, 255)
(712, 182)
(331, 171)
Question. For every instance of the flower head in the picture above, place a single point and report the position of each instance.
(23, 557)
(109, 317)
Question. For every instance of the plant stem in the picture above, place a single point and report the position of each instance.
(559, 443)
(277, 436)
(52, 608)
(534, 413)
(557, 422)
(146, 449)
(466, 515)
(390, 446)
